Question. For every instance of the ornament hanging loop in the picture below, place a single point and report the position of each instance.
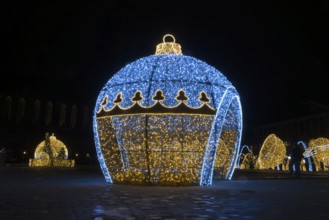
(168, 35)
(168, 47)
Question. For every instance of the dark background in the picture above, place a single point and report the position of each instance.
(275, 53)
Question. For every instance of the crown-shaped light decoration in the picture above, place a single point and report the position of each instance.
(157, 107)
(168, 47)
(165, 119)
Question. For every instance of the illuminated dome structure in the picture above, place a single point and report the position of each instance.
(272, 153)
(318, 149)
(165, 119)
(51, 152)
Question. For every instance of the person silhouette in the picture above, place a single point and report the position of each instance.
(296, 157)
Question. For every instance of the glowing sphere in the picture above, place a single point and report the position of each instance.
(162, 119)
(51, 152)
(56, 146)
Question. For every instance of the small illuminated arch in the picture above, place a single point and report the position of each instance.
(308, 160)
(247, 158)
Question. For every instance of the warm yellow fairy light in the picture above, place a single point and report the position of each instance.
(272, 153)
(224, 152)
(51, 152)
(168, 47)
(160, 119)
(248, 160)
(319, 150)
(171, 157)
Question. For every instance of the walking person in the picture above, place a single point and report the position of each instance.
(295, 160)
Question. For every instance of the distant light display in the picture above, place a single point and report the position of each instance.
(247, 159)
(319, 150)
(51, 152)
(167, 119)
(272, 153)
(307, 160)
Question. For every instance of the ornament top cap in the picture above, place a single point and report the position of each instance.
(168, 47)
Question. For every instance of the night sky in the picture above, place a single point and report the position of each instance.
(275, 53)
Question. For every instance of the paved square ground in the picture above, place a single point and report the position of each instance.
(81, 193)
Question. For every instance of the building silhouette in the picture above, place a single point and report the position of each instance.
(310, 121)
(24, 122)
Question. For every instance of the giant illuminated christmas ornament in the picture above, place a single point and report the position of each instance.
(164, 119)
(51, 152)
